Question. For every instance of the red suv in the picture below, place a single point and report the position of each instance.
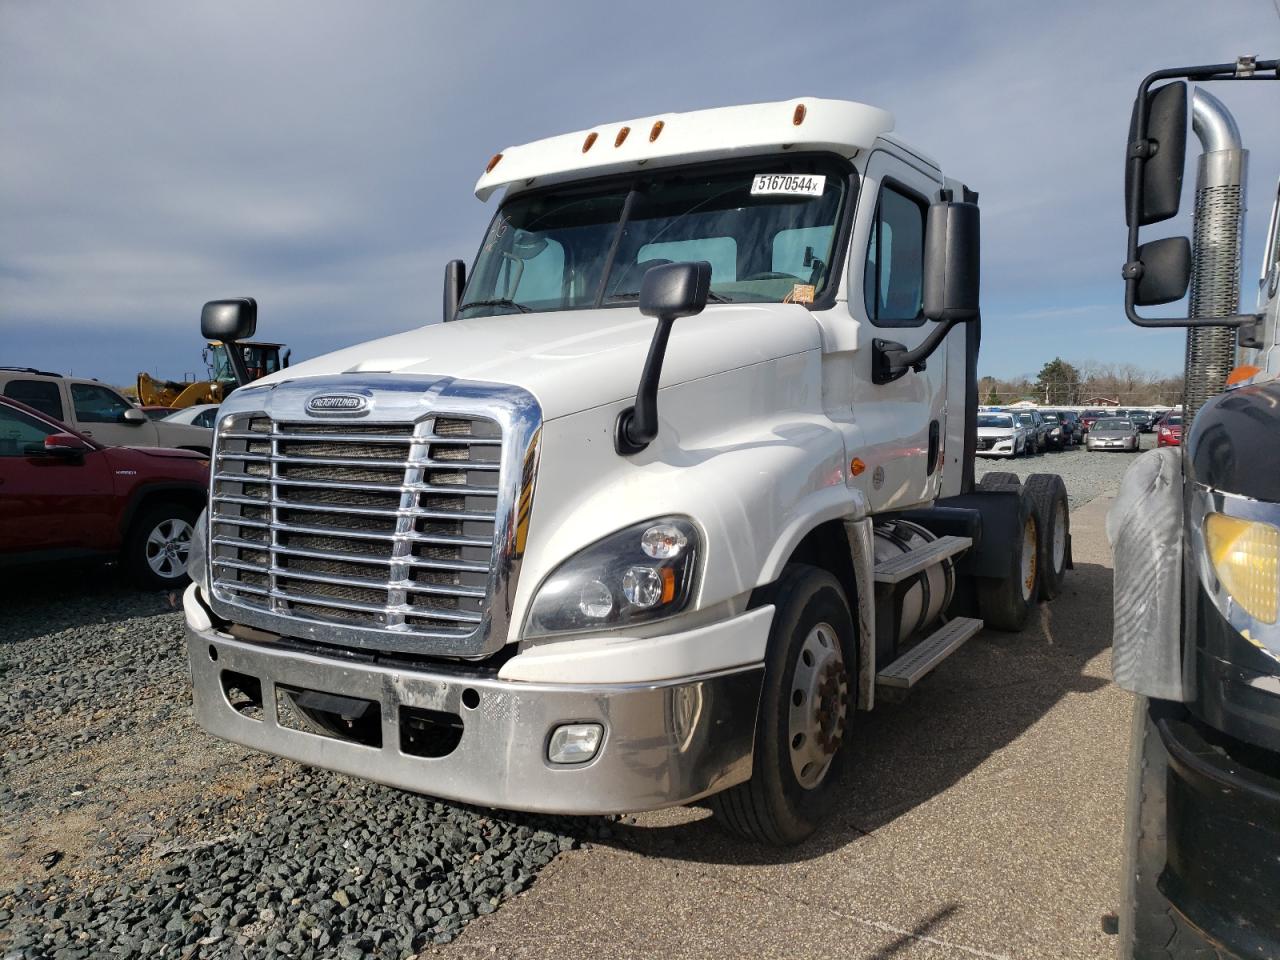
(62, 495)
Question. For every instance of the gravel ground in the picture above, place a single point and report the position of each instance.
(1087, 475)
(128, 832)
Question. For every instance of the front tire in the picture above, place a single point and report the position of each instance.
(1150, 929)
(806, 706)
(157, 546)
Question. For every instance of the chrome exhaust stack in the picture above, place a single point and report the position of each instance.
(1216, 246)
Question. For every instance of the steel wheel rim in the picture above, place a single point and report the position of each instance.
(1059, 536)
(1028, 557)
(167, 548)
(818, 706)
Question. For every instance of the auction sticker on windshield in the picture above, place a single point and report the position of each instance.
(789, 184)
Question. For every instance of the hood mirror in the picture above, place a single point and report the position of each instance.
(668, 292)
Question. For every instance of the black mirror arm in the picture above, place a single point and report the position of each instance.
(891, 360)
(235, 356)
(637, 426)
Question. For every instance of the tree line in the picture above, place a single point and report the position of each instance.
(1068, 384)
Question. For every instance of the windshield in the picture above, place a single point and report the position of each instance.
(994, 420)
(1113, 424)
(767, 227)
(1025, 418)
(1051, 417)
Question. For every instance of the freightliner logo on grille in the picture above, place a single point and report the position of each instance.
(337, 403)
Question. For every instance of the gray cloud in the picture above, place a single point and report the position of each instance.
(320, 156)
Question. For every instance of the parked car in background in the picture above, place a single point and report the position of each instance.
(63, 495)
(1037, 429)
(1072, 419)
(1060, 432)
(1169, 431)
(1090, 417)
(198, 415)
(1142, 419)
(1113, 433)
(98, 411)
(1000, 435)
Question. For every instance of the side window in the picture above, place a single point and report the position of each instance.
(40, 395)
(17, 430)
(96, 404)
(720, 252)
(893, 281)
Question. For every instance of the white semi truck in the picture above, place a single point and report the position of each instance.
(683, 481)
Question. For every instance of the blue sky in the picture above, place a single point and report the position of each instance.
(320, 156)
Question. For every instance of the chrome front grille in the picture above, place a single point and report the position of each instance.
(381, 534)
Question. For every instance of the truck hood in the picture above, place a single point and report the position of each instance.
(574, 360)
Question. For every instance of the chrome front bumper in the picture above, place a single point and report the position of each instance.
(665, 743)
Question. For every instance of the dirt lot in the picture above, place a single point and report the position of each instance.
(983, 818)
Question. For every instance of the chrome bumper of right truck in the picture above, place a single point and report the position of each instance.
(664, 743)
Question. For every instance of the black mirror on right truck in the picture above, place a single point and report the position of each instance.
(952, 248)
(1165, 151)
(952, 279)
(229, 320)
(668, 292)
(455, 281)
(1166, 271)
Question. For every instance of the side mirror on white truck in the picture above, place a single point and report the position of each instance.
(669, 500)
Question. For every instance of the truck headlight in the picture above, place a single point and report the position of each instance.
(643, 573)
(1246, 557)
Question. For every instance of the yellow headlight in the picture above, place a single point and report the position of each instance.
(1246, 557)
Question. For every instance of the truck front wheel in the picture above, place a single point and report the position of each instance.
(1150, 928)
(806, 707)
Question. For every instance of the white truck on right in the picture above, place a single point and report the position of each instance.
(1196, 535)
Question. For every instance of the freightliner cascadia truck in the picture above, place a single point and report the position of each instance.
(682, 483)
(1196, 533)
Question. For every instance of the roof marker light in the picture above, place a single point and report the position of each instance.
(622, 135)
(657, 129)
(589, 142)
(493, 162)
(797, 118)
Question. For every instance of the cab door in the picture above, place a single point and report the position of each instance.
(100, 413)
(900, 425)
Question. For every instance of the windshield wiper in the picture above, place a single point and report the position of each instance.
(497, 302)
(635, 295)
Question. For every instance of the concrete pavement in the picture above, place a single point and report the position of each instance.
(983, 819)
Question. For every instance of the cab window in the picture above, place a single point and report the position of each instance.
(893, 278)
(17, 430)
(40, 395)
(94, 404)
